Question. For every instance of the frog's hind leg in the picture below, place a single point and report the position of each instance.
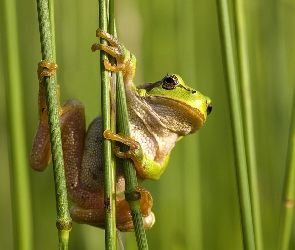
(72, 123)
(41, 152)
(95, 216)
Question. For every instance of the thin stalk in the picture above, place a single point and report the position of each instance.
(231, 80)
(52, 29)
(113, 229)
(244, 73)
(112, 26)
(109, 168)
(19, 178)
(289, 189)
(129, 170)
(64, 221)
(123, 126)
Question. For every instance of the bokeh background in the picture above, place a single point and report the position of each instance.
(196, 199)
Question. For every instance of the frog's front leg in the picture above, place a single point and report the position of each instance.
(126, 62)
(146, 168)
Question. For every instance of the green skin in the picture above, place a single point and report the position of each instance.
(159, 114)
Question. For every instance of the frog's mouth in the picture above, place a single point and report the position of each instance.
(177, 116)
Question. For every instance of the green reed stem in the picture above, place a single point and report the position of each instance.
(109, 160)
(19, 178)
(244, 73)
(286, 222)
(123, 126)
(64, 221)
(129, 170)
(231, 80)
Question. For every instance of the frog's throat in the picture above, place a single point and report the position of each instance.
(176, 116)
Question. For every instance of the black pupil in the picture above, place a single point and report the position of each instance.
(170, 80)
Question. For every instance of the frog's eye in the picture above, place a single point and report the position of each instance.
(169, 82)
(209, 108)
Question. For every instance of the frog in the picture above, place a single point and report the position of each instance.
(160, 114)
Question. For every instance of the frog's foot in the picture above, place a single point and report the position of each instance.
(124, 218)
(46, 68)
(95, 216)
(125, 60)
(134, 152)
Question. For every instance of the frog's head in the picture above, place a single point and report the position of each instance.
(179, 107)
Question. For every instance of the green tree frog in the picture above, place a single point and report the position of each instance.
(160, 113)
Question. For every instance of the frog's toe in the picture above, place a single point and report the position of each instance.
(148, 223)
(114, 68)
(113, 51)
(48, 65)
(111, 39)
(146, 201)
(46, 68)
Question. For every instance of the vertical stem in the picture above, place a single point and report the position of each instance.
(21, 199)
(64, 221)
(231, 79)
(288, 195)
(129, 169)
(109, 168)
(123, 125)
(52, 28)
(244, 73)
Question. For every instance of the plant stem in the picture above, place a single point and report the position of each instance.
(52, 29)
(244, 73)
(123, 126)
(231, 79)
(19, 178)
(288, 195)
(109, 166)
(64, 221)
(129, 170)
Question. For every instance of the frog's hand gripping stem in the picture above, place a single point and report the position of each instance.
(126, 62)
(145, 167)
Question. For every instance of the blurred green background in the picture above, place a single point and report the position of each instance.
(195, 201)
